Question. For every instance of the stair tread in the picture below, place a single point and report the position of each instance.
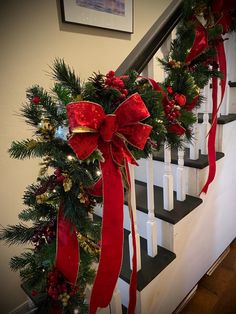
(222, 119)
(181, 208)
(151, 266)
(199, 163)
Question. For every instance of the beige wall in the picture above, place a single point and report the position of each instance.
(31, 36)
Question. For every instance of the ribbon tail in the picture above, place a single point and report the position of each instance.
(133, 277)
(112, 236)
(200, 41)
(223, 68)
(67, 255)
(212, 137)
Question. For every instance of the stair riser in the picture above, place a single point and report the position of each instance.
(195, 178)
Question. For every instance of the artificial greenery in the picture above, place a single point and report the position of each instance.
(63, 179)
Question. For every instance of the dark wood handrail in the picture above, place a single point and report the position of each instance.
(152, 40)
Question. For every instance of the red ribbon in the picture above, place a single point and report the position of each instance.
(67, 255)
(212, 136)
(200, 41)
(93, 129)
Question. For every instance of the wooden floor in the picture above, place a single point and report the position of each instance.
(216, 294)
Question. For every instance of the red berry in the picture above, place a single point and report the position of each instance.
(57, 172)
(110, 74)
(125, 92)
(108, 81)
(36, 100)
(60, 179)
(169, 89)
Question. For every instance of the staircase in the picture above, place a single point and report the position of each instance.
(180, 233)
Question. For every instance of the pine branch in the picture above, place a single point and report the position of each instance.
(19, 262)
(17, 234)
(46, 211)
(66, 77)
(32, 114)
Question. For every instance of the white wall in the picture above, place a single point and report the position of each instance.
(31, 36)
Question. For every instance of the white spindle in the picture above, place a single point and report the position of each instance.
(115, 305)
(181, 184)
(194, 147)
(151, 222)
(137, 237)
(205, 124)
(165, 48)
(168, 180)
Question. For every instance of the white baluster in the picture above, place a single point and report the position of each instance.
(181, 183)
(168, 180)
(205, 124)
(165, 48)
(194, 147)
(224, 110)
(137, 237)
(115, 305)
(151, 222)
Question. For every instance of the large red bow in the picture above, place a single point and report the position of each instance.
(93, 129)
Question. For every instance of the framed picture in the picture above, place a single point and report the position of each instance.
(109, 14)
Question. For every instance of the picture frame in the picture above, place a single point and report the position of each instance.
(107, 14)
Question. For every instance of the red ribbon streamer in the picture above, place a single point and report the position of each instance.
(111, 251)
(222, 64)
(212, 136)
(200, 41)
(221, 60)
(93, 129)
(67, 255)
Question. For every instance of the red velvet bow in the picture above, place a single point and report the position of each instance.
(93, 129)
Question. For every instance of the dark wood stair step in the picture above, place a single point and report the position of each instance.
(199, 163)
(151, 266)
(222, 119)
(181, 208)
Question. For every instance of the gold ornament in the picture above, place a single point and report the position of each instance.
(88, 245)
(42, 198)
(47, 125)
(67, 183)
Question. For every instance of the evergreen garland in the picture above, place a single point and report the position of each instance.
(64, 179)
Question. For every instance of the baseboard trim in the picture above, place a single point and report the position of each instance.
(185, 300)
(218, 261)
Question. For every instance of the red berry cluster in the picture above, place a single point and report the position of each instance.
(51, 183)
(59, 177)
(172, 107)
(58, 288)
(171, 110)
(44, 234)
(117, 83)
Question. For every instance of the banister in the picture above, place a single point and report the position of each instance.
(152, 40)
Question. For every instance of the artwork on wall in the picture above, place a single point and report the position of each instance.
(109, 14)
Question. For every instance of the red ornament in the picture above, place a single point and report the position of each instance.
(169, 89)
(180, 99)
(36, 100)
